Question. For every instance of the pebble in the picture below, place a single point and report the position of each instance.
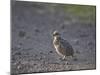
(22, 33)
(51, 51)
(36, 30)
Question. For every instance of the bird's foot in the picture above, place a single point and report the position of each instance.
(62, 59)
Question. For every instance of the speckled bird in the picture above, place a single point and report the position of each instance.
(63, 48)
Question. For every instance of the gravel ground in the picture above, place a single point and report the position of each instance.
(32, 50)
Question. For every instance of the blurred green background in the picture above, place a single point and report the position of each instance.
(85, 13)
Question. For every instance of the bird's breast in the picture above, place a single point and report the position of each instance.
(57, 46)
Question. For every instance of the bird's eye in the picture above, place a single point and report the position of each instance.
(56, 33)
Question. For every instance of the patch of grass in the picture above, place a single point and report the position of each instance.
(84, 12)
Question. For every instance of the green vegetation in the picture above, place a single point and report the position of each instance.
(83, 12)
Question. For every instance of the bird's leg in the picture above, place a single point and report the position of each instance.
(64, 57)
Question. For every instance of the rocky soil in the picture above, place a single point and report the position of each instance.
(32, 50)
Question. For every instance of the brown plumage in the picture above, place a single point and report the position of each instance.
(63, 48)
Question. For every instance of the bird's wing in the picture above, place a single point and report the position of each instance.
(66, 44)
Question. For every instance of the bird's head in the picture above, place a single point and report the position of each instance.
(56, 33)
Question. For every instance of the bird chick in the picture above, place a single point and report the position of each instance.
(63, 48)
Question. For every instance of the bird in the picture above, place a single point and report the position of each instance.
(62, 46)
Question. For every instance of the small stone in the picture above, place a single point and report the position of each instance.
(40, 58)
(18, 46)
(14, 63)
(18, 67)
(51, 51)
(12, 48)
(35, 64)
(35, 55)
(36, 30)
(22, 33)
(75, 59)
(62, 27)
(90, 43)
(41, 53)
(83, 35)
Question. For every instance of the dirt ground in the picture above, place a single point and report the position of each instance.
(32, 50)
